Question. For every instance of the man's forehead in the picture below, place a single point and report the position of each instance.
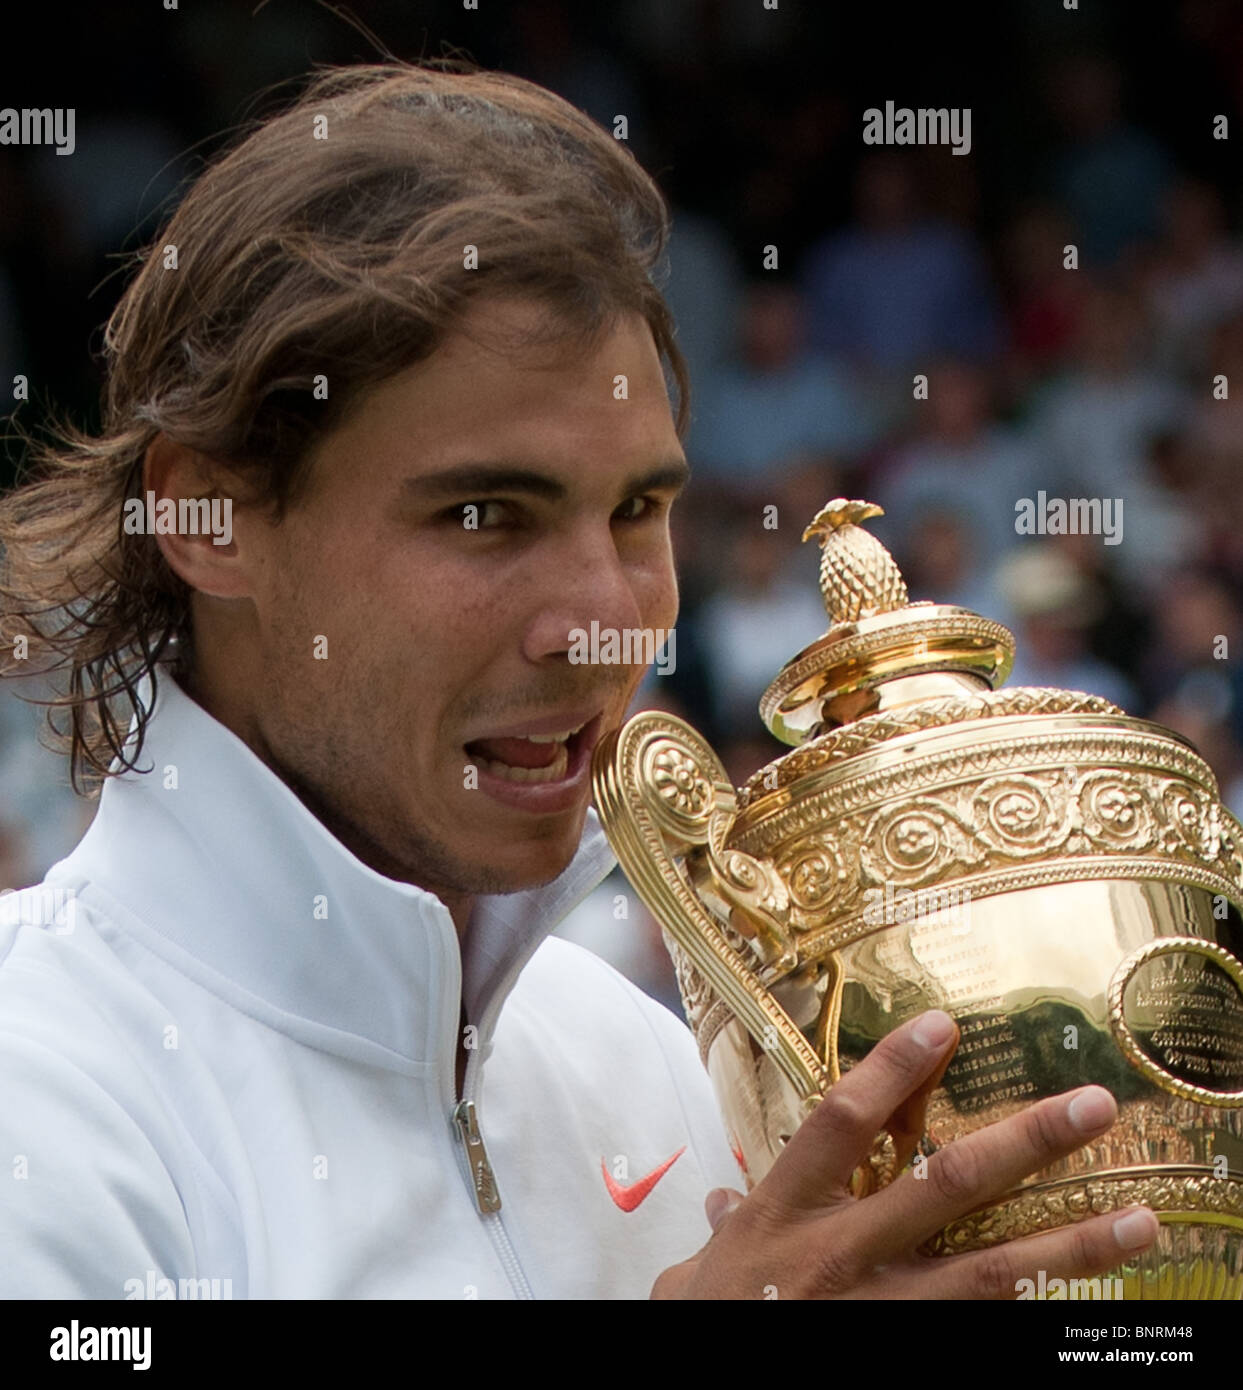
(526, 334)
(519, 348)
(424, 440)
(486, 399)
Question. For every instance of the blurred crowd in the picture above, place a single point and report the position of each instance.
(1072, 293)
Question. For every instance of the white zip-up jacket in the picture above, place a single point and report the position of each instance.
(227, 1056)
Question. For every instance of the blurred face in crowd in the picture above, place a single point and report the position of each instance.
(1195, 611)
(941, 552)
(958, 407)
(1083, 94)
(468, 516)
(1111, 330)
(885, 194)
(1194, 217)
(772, 327)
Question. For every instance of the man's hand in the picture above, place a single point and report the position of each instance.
(801, 1234)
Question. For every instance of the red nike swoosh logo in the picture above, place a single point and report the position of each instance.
(736, 1149)
(628, 1196)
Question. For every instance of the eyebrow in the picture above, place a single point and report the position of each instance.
(481, 478)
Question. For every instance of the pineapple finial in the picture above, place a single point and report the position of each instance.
(858, 577)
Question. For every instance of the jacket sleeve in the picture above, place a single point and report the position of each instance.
(87, 1202)
(86, 1205)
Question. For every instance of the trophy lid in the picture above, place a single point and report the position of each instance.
(878, 644)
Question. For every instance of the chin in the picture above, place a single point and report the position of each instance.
(531, 866)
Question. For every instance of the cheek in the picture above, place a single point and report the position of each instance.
(320, 628)
(284, 609)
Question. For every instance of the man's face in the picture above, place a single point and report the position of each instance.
(440, 635)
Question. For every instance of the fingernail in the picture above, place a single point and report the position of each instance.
(1092, 1109)
(1135, 1228)
(718, 1204)
(934, 1029)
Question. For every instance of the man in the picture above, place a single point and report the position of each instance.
(303, 1031)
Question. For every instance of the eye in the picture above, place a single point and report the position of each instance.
(649, 508)
(481, 514)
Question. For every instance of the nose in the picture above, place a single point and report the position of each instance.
(584, 579)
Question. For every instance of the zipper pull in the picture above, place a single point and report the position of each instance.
(487, 1198)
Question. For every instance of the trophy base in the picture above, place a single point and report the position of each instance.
(1189, 1262)
(1198, 1253)
(1186, 1265)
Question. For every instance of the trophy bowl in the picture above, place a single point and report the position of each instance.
(1060, 877)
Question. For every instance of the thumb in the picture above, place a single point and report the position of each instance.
(674, 1281)
(719, 1203)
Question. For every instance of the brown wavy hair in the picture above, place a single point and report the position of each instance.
(295, 256)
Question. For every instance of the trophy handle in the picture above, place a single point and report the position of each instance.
(662, 792)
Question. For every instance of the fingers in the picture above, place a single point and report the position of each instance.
(836, 1137)
(1090, 1248)
(719, 1203)
(908, 1122)
(981, 1166)
(674, 1282)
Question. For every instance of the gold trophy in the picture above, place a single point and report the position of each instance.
(1060, 877)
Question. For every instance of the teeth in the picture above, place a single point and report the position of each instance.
(551, 738)
(553, 773)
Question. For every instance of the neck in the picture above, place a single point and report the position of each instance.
(359, 844)
(460, 908)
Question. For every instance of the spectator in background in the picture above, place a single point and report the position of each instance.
(16, 867)
(1165, 524)
(961, 460)
(1053, 605)
(755, 623)
(1111, 177)
(897, 286)
(1201, 711)
(1094, 426)
(778, 403)
(40, 818)
(1220, 499)
(940, 562)
(1044, 299)
(1198, 619)
(1194, 280)
(1216, 424)
(704, 290)
(1118, 626)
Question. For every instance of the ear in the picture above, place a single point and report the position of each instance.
(188, 503)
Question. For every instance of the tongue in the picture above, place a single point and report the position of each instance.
(517, 752)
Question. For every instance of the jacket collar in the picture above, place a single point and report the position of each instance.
(218, 866)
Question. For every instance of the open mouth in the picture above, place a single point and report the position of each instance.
(558, 756)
